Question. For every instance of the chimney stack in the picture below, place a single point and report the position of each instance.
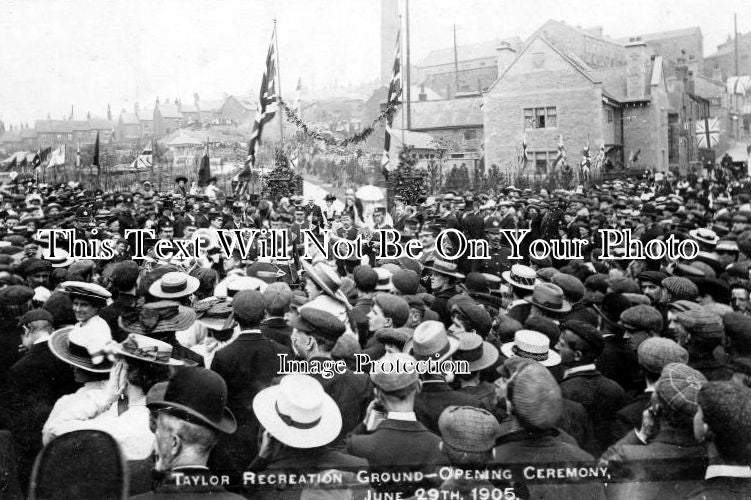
(636, 75)
(505, 56)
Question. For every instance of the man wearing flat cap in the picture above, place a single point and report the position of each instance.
(315, 333)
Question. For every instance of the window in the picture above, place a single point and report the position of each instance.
(540, 117)
(609, 114)
(542, 159)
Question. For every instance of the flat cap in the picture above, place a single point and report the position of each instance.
(657, 352)
(249, 306)
(678, 388)
(587, 333)
(36, 315)
(654, 277)
(406, 281)
(701, 323)
(642, 317)
(318, 322)
(365, 277)
(394, 307)
(680, 288)
(468, 429)
(573, 288)
(389, 373)
(15, 295)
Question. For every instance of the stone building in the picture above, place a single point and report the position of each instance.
(546, 92)
(721, 64)
(476, 63)
(683, 46)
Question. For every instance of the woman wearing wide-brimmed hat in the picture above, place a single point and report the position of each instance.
(88, 299)
(323, 287)
(119, 408)
(443, 279)
(161, 320)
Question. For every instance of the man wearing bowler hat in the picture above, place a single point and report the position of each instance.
(188, 414)
(248, 365)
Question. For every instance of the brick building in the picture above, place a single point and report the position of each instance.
(547, 92)
(587, 45)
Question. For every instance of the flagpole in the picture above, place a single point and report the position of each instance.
(279, 87)
(409, 80)
(401, 63)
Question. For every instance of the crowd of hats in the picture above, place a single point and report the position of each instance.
(516, 325)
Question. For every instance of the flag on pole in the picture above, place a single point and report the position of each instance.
(524, 155)
(41, 156)
(145, 159)
(268, 100)
(204, 171)
(95, 160)
(395, 88)
(57, 157)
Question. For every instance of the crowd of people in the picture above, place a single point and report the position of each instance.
(586, 378)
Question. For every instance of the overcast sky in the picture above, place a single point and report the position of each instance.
(88, 53)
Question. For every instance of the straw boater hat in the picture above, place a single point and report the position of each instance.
(145, 348)
(446, 268)
(174, 285)
(196, 395)
(61, 258)
(703, 235)
(430, 341)
(298, 412)
(531, 345)
(81, 348)
(521, 277)
(327, 279)
(549, 297)
(159, 317)
(90, 292)
(478, 353)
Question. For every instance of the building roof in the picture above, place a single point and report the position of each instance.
(130, 119)
(54, 126)
(188, 107)
(661, 35)
(419, 140)
(246, 102)
(728, 47)
(706, 87)
(481, 50)
(28, 133)
(738, 85)
(146, 115)
(448, 113)
(211, 105)
(169, 110)
(181, 138)
(100, 124)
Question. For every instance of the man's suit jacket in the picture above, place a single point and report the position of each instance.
(352, 393)
(618, 362)
(398, 443)
(278, 330)
(600, 396)
(248, 366)
(435, 396)
(629, 417)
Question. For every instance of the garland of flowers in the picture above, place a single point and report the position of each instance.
(359, 137)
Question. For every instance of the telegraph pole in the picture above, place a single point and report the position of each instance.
(409, 81)
(456, 63)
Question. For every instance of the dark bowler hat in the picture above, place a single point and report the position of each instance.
(196, 395)
(97, 456)
(181, 178)
(445, 268)
(319, 322)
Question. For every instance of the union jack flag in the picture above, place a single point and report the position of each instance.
(268, 100)
(394, 89)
